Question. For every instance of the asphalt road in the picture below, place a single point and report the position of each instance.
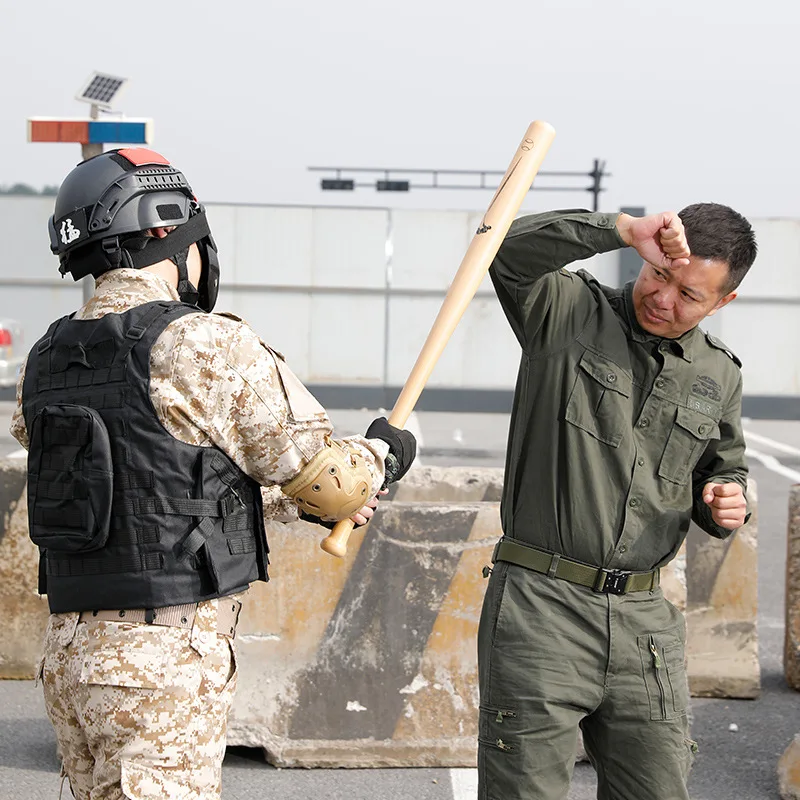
(738, 765)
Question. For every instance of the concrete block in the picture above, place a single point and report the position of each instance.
(371, 660)
(23, 611)
(791, 652)
(449, 485)
(789, 771)
(722, 610)
(368, 661)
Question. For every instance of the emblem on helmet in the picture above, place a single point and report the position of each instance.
(69, 233)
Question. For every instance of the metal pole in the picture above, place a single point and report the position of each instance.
(387, 288)
(90, 150)
(95, 148)
(596, 184)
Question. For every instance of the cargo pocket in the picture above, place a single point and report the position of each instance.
(500, 765)
(688, 439)
(597, 402)
(497, 729)
(664, 672)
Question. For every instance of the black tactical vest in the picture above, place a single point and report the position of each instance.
(124, 514)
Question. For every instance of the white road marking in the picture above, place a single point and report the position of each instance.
(465, 783)
(780, 446)
(772, 463)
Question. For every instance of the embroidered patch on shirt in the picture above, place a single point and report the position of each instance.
(706, 387)
(701, 405)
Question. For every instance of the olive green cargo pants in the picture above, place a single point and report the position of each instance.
(552, 656)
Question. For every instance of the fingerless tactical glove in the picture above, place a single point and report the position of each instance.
(402, 448)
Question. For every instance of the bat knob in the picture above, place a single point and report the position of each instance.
(334, 548)
(335, 543)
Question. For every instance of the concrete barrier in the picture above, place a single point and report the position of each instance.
(722, 610)
(789, 771)
(791, 652)
(371, 660)
(23, 611)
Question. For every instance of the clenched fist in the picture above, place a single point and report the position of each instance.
(727, 503)
(659, 239)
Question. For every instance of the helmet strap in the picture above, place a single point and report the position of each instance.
(186, 290)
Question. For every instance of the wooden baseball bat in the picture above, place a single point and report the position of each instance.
(476, 262)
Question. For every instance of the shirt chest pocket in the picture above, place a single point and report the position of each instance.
(691, 433)
(598, 403)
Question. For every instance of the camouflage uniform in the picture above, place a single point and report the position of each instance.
(140, 710)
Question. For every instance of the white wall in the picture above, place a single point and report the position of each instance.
(348, 294)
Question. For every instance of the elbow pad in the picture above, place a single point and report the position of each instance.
(334, 484)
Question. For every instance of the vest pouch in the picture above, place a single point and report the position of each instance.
(228, 572)
(70, 479)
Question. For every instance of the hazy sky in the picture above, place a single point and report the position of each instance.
(686, 101)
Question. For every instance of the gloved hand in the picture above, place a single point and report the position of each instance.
(402, 448)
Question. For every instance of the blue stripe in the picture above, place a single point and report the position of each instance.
(117, 132)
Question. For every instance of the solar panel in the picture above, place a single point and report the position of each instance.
(100, 89)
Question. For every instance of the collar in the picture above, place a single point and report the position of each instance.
(120, 290)
(683, 346)
(138, 284)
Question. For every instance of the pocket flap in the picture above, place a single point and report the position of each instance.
(303, 406)
(143, 782)
(138, 665)
(700, 425)
(607, 373)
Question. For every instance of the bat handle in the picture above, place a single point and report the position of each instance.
(335, 542)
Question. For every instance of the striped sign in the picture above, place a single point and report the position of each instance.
(90, 131)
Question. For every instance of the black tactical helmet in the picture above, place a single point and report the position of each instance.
(106, 205)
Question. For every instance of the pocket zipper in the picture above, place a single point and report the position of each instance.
(501, 713)
(657, 664)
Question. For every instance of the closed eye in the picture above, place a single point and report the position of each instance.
(659, 274)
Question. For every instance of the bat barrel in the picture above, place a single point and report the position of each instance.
(482, 249)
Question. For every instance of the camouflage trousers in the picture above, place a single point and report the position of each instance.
(140, 711)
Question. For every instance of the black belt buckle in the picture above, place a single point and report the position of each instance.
(615, 581)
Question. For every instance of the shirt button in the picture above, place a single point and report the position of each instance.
(602, 220)
(644, 422)
(611, 377)
(701, 428)
(622, 548)
(663, 347)
(633, 502)
(640, 462)
(660, 382)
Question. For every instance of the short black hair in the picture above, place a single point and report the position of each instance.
(718, 232)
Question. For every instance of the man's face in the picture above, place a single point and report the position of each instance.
(669, 301)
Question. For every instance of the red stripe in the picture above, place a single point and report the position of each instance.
(141, 155)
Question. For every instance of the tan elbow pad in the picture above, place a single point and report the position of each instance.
(333, 485)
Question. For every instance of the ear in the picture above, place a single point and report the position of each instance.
(722, 302)
(160, 233)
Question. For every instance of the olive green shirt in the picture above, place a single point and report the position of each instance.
(614, 431)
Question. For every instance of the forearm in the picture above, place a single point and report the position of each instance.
(724, 462)
(542, 243)
(18, 428)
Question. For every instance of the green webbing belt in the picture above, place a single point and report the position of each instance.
(556, 566)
